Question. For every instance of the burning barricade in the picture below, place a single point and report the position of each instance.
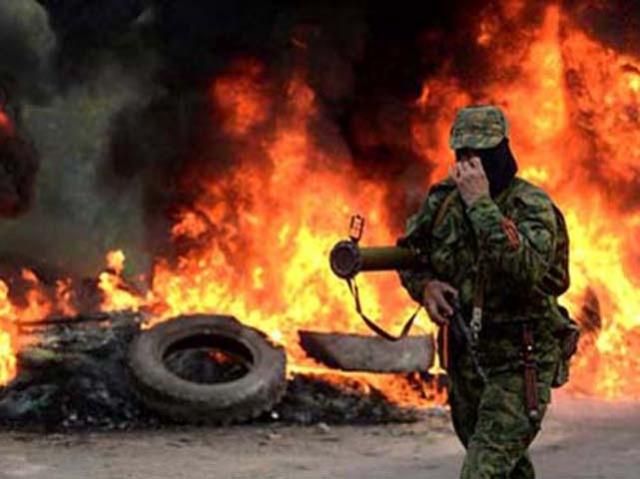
(249, 173)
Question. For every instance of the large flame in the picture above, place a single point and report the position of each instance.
(264, 232)
(259, 234)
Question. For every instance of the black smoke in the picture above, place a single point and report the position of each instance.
(615, 23)
(19, 164)
(26, 44)
(90, 33)
(366, 62)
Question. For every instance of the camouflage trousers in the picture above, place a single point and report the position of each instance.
(492, 422)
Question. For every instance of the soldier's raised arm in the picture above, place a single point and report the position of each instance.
(521, 247)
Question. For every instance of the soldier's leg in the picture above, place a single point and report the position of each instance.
(503, 429)
(464, 399)
(465, 392)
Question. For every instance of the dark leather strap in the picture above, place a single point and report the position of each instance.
(353, 288)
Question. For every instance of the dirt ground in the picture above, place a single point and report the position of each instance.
(582, 438)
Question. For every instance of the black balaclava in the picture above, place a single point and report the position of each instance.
(499, 164)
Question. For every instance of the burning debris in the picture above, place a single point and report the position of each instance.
(313, 399)
(350, 352)
(75, 375)
(247, 376)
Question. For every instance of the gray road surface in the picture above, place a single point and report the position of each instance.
(585, 439)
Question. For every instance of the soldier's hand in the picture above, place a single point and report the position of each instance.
(470, 179)
(435, 301)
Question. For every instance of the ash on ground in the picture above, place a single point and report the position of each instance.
(312, 400)
(74, 376)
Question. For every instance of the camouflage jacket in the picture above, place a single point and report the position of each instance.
(513, 238)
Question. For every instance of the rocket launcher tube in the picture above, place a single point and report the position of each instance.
(347, 258)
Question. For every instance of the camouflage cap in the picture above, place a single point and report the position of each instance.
(478, 127)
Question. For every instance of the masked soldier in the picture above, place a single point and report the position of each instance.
(496, 249)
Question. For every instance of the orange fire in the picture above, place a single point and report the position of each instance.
(261, 234)
(7, 336)
(266, 231)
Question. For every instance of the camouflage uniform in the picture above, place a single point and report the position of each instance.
(512, 237)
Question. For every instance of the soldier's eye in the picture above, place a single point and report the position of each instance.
(462, 154)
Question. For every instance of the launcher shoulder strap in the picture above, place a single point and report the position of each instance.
(443, 208)
(353, 288)
(355, 292)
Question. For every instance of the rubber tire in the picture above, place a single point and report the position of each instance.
(220, 403)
